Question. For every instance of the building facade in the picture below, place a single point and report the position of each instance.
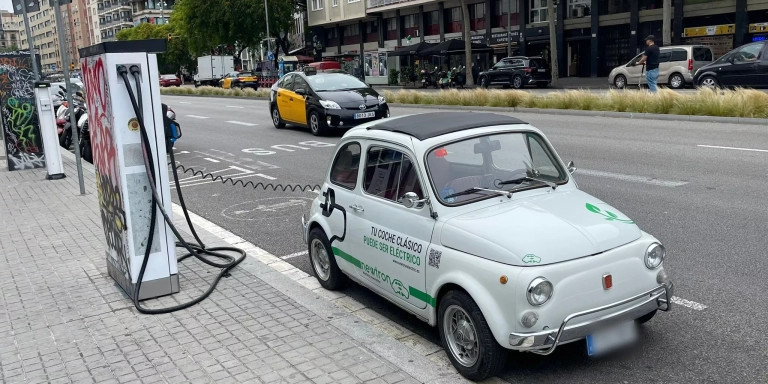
(152, 11)
(112, 17)
(593, 36)
(9, 30)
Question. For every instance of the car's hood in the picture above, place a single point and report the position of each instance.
(538, 230)
(351, 98)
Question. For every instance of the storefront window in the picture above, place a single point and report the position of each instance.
(608, 7)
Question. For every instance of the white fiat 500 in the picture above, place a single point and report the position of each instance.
(473, 223)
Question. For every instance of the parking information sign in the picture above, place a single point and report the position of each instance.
(53, 67)
(32, 6)
(270, 56)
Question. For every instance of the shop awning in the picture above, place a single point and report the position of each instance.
(454, 47)
(410, 50)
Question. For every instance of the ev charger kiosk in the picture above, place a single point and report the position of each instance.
(125, 198)
(47, 116)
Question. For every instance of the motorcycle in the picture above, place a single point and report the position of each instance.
(459, 77)
(429, 78)
(445, 79)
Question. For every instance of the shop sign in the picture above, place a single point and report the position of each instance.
(496, 38)
(712, 30)
(758, 27)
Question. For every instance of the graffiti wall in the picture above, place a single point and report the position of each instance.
(105, 162)
(21, 128)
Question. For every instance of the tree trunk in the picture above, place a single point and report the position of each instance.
(666, 30)
(553, 48)
(467, 42)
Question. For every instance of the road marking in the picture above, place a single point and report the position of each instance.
(292, 255)
(266, 177)
(197, 117)
(242, 123)
(184, 102)
(734, 148)
(632, 178)
(211, 160)
(234, 106)
(182, 152)
(690, 304)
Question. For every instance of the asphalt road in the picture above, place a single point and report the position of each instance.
(706, 203)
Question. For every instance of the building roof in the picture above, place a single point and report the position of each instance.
(428, 125)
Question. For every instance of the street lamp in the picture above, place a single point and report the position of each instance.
(162, 11)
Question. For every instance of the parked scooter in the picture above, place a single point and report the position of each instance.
(429, 78)
(459, 77)
(445, 79)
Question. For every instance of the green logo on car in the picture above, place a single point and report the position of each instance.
(531, 259)
(400, 289)
(610, 216)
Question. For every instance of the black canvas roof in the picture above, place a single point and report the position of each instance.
(427, 125)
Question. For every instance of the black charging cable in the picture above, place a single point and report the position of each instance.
(197, 250)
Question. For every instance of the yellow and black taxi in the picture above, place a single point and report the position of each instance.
(324, 101)
(240, 80)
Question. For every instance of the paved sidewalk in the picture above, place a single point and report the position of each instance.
(63, 319)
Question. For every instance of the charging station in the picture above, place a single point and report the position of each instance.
(120, 159)
(47, 117)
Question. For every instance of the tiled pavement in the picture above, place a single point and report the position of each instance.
(63, 319)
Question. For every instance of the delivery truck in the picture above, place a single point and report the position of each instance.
(211, 69)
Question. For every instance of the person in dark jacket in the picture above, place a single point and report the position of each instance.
(475, 72)
(651, 60)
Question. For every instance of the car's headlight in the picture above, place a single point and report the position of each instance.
(382, 100)
(328, 104)
(654, 255)
(539, 291)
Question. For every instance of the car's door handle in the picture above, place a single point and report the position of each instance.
(357, 208)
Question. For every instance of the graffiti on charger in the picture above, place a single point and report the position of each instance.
(21, 128)
(105, 162)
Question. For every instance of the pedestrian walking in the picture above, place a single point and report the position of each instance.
(475, 72)
(651, 60)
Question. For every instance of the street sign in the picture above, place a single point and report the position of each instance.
(53, 67)
(270, 56)
(32, 6)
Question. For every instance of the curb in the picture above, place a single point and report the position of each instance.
(576, 112)
(346, 314)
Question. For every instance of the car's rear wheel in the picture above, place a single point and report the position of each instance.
(676, 81)
(620, 82)
(709, 82)
(316, 124)
(323, 261)
(276, 119)
(517, 82)
(466, 337)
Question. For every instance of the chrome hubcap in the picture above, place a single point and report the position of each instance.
(518, 82)
(619, 82)
(313, 123)
(275, 116)
(320, 260)
(676, 81)
(708, 82)
(461, 336)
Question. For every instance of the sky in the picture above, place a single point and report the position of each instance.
(6, 5)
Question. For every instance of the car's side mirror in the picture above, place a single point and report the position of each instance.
(301, 91)
(571, 167)
(411, 199)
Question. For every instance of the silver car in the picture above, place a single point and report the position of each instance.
(677, 65)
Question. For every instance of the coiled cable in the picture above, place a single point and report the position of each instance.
(244, 184)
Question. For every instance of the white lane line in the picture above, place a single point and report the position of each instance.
(734, 148)
(234, 106)
(292, 255)
(184, 102)
(632, 178)
(182, 152)
(266, 177)
(226, 177)
(242, 123)
(690, 304)
(198, 117)
(211, 160)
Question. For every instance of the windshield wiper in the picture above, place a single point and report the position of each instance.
(470, 191)
(528, 178)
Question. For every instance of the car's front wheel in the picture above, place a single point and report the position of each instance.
(466, 337)
(276, 119)
(620, 82)
(316, 124)
(323, 262)
(709, 82)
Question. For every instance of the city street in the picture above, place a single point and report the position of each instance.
(698, 187)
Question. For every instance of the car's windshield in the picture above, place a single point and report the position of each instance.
(507, 161)
(334, 82)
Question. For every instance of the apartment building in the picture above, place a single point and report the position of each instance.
(46, 36)
(10, 25)
(152, 11)
(112, 16)
(593, 36)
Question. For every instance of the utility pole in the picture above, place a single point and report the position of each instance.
(266, 12)
(68, 85)
(666, 30)
(31, 41)
(553, 51)
(509, 28)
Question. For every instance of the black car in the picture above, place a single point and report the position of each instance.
(746, 66)
(517, 72)
(325, 100)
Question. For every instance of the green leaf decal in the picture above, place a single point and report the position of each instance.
(593, 208)
(611, 214)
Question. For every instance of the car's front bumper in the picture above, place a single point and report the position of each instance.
(304, 228)
(345, 118)
(545, 342)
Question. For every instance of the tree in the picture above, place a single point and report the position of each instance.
(666, 24)
(12, 48)
(177, 54)
(553, 48)
(467, 41)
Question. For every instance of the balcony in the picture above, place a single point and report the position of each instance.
(384, 3)
(116, 22)
(123, 5)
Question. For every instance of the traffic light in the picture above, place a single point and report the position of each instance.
(71, 66)
(170, 37)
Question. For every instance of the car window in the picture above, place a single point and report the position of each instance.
(299, 82)
(346, 165)
(538, 63)
(664, 57)
(702, 54)
(748, 53)
(390, 174)
(678, 55)
(287, 82)
(635, 59)
(501, 64)
(335, 82)
(517, 63)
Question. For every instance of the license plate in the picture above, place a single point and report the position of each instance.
(612, 338)
(542, 70)
(365, 115)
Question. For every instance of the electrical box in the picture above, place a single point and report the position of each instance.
(125, 198)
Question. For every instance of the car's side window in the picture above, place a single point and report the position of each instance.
(287, 82)
(517, 63)
(664, 57)
(346, 165)
(298, 82)
(542, 162)
(390, 174)
(678, 55)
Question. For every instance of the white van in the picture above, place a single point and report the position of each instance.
(677, 65)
